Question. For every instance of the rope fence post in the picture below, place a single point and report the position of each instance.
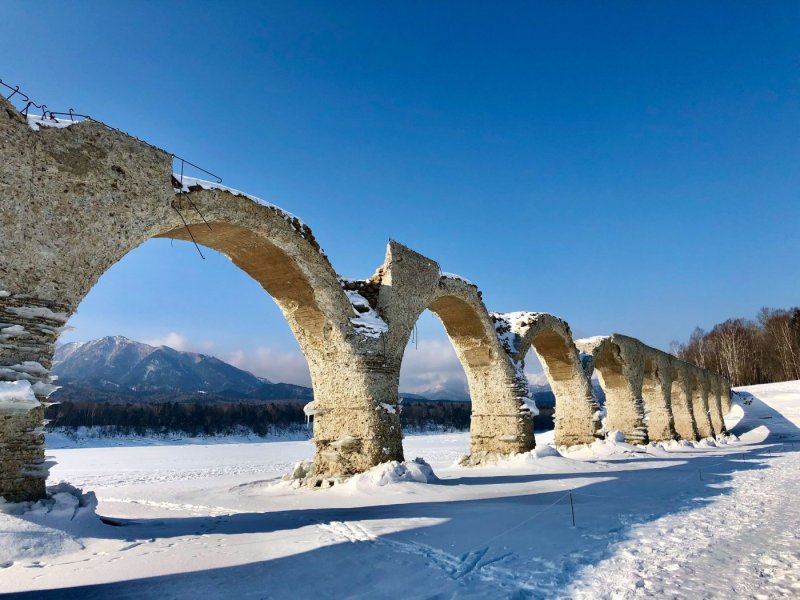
(572, 508)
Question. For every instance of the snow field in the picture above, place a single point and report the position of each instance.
(711, 519)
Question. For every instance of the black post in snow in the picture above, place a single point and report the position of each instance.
(572, 508)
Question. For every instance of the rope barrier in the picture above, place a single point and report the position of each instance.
(518, 525)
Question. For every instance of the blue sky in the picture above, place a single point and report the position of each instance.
(628, 166)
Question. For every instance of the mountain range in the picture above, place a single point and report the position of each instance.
(118, 369)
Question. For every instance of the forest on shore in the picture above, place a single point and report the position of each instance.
(748, 352)
(233, 418)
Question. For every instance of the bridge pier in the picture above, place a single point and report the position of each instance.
(657, 397)
(700, 404)
(28, 331)
(356, 414)
(715, 404)
(681, 402)
(725, 396)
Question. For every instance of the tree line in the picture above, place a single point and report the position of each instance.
(269, 418)
(748, 352)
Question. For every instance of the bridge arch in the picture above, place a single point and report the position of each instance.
(500, 422)
(409, 284)
(577, 417)
(98, 195)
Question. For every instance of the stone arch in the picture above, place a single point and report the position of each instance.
(98, 194)
(657, 397)
(619, 360)
(700, 404)
(409, 283)
(681, 401)
(500, 423)
(577, 418)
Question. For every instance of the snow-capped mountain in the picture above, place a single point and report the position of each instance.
(118, 364)
(457, 390)
(451, 389)
(116, 367)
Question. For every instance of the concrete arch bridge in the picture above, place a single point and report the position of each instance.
(77, 197)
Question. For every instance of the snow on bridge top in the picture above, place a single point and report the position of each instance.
(190, 184)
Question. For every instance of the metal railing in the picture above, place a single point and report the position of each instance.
(51, 115)
(177, 182)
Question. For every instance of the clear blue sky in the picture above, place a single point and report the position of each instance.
(628, 166)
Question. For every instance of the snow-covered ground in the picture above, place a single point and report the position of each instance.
(205, 521)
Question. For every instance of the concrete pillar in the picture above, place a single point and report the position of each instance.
(657, 397)
(700, 404)
(715, 404)
(356, 415)
(681, 401)
(28, 330)
(725, 396)
(619, 361)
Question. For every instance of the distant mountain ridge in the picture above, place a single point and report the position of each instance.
(118, 366)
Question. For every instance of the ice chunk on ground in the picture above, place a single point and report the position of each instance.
(63, 500)
(393, 472)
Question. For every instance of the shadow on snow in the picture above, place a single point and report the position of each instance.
(518, 555)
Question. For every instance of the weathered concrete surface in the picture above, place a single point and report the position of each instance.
(700, 404)
(577, 417)
(411, 283)
(681, 397)
(725, 398)
(657, 397)
(28, 331)
(647, 389)
(77, 197)
(619, 361)
(715, 403)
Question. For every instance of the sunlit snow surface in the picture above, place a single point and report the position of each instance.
(208, 521)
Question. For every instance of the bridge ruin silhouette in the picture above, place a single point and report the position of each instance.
(76, 197)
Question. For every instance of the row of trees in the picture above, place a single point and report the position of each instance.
(748, 352)
(230, 418)
(194, 420)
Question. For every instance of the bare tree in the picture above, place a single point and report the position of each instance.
(748, 352)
